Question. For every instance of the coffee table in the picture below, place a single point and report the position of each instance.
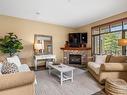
(65, 72)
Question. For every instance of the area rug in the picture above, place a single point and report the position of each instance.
(102, 92)
(84, 84)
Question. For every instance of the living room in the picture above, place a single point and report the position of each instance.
(96, 23)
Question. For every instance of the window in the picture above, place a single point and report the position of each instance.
(126, 38)
(104, 29)
(96, 42)
(116, 26)
(109, 43)
(125, 25)
(95, 31)
(105, 37)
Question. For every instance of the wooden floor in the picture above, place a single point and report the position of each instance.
(84, 84)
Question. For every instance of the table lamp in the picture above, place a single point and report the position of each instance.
(122, 42)
(39, 46)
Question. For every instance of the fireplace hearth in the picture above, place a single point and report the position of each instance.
(75, 59)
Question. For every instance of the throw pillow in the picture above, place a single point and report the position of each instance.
(1, 67)
(8, 68)
(100, 59)
(15, 60)
(108, 58)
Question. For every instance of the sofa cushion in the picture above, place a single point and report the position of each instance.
(95, 67)
(1, 65)
(118, 59)
(114, 67)
(24, 68)
(8, 68)
(12, 81)
(15, 60)
(1, 68)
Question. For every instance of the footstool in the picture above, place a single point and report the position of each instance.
(116, 87)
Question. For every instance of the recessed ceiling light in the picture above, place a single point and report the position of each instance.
(37, 13)
(69, 0)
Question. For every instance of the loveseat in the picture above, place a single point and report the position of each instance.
(19, 83)
(114, 67)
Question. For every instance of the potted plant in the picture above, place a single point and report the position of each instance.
(10, 44)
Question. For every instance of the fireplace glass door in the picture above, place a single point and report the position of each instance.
(75, 59)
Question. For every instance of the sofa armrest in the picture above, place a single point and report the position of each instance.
(114, 67)
(8, 81)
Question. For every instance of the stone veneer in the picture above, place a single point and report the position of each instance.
(83, 54)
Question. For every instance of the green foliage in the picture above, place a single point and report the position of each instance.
(10, 44)
(111, 42)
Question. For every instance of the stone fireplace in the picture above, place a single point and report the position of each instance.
(78, 57)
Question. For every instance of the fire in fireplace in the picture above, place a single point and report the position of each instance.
(75, 59)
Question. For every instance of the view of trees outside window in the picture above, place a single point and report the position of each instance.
(109, 43)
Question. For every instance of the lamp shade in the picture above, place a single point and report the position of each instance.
(122, 42)
(38, 46)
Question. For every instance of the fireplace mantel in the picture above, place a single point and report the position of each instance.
(75, 48)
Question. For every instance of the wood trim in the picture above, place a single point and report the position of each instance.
(108, 23)
(75, 48)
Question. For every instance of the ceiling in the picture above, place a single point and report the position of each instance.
(70, 13)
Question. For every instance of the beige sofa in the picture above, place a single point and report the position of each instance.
(114, 67)
(21, 83)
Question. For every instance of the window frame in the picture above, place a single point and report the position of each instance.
(109, 24)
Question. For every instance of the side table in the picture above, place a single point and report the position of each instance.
(43, 57)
